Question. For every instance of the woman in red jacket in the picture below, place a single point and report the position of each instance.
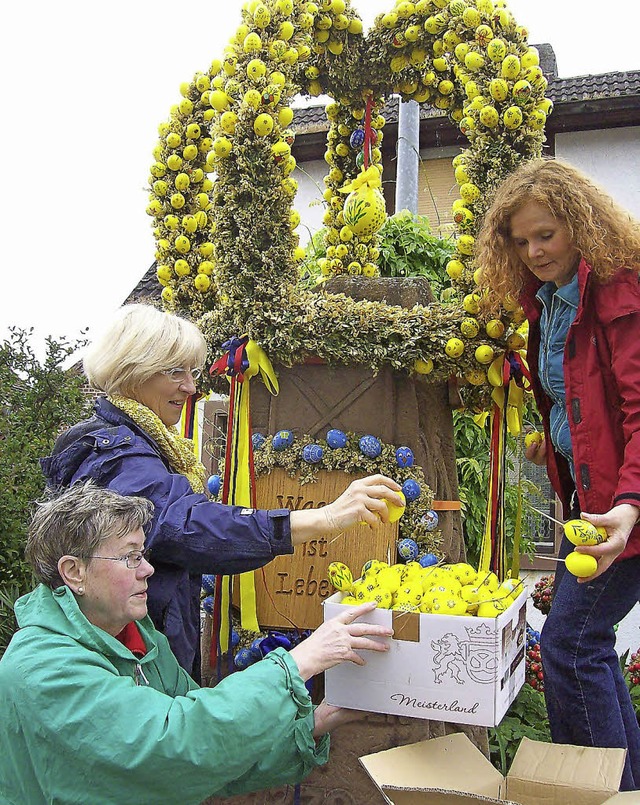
(571, 256)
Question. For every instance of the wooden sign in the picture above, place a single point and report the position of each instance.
(290, 589)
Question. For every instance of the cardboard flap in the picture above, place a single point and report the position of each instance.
(625, 798)
(557, 773)
(423, 796)
(451, 763)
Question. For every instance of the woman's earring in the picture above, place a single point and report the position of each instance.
(80, 590)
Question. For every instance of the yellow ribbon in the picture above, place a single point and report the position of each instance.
(240, 480)
(510, 380)
(369, 177)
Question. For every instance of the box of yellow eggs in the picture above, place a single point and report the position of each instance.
(458, 649)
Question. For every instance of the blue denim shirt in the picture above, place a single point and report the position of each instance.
(559, 308)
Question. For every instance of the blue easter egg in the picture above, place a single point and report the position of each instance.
(257, 440)
(312, 453)
(207, 604)
(256, 649)
(430, 520)
(282, 440)
(411, 490)
(336, 438)
(370, 446)
(213, 484)
(357, 139)
(244, 658)
(404, 457)
(428, 559)
(235, 638)
(209, 583)
(408, 549)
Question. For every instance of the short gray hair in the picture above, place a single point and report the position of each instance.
(141, 341)
(75, 521)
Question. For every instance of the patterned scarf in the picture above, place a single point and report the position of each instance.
(177, 450)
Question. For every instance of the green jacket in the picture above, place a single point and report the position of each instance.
(83, 720)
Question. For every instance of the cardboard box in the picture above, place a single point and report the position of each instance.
(452, 771)
(464, 669)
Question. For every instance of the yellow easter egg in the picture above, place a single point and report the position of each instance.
(395, 512)
(455, 269)
(581, 564)
(340, 576)
(512, 117)
(491, 609)
(494, 328)
(484, 354)
(409, 593)
(469, 328)
(464, 573)
(535, 437)
(382, 597)
(580, 532)
(364, 210)
(405, 606)
(510, 67)
(489, 580)
(423, 367)
(470, 192)
(219, 100)
(489, 116)
(263, 125)
(349, 600)
(454, 347)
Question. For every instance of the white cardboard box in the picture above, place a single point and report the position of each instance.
(452, 771)
(465, 670)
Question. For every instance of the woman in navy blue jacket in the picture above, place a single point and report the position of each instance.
(146, 365)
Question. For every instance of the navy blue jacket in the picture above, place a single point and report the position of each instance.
(189, 534)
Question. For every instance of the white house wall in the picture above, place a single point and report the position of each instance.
(308, 201)
(610, 157)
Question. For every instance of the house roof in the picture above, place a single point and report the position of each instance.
(581, 103)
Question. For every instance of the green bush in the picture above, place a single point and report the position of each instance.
(409, 249)
(527, 717)
(472, 445)
(38, 399)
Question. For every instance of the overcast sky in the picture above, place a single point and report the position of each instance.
(84, 86)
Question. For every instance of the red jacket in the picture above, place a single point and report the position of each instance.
(602, 385)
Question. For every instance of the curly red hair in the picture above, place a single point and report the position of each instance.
(605, 234)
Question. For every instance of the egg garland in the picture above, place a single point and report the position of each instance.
(222, 227)
(350, 458)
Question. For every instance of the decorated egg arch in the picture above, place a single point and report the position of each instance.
(221, 189)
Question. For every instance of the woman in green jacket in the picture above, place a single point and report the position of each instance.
(95, 707)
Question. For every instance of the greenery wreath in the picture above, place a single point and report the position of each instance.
(221, 188)
(303, 457)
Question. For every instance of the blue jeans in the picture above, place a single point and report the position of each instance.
(587, 699)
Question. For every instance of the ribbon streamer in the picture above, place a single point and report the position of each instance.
(242, 360)
(509, 375)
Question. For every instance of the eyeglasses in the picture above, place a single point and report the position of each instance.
(179, 375)
(133, 559)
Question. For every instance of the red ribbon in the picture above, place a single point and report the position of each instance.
(368, 134)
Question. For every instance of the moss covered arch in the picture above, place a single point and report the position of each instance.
(222, 194)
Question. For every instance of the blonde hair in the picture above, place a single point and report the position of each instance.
(140, 342)
(604, 233)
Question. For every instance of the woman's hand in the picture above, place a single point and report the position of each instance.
(337, 639)
(618, 523)
(537, 453)
(327, 717)
(361, 502)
